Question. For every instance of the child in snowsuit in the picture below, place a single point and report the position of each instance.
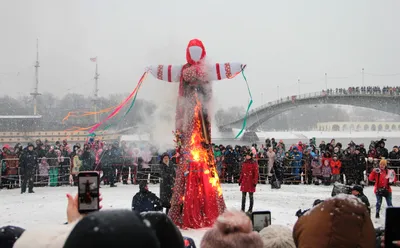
(326, 173)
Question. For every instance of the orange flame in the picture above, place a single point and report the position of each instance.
(201, 154)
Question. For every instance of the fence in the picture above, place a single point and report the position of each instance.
(60, 174)
(129, 169)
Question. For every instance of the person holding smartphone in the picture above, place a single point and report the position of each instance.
(383, 178)
(248, 180)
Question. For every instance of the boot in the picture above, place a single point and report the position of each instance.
(377, 215)
(251, 203)
(31, 191)
(243, 201)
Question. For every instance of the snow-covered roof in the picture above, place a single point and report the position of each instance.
(20, 116)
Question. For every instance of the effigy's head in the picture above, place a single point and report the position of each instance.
(195, 52)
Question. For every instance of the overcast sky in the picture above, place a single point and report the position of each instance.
(280, 41)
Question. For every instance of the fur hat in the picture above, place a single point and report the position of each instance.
(277, 236)
(232, 229)
(340, 221)
(111, 227)
(167, 233)
(9, 234)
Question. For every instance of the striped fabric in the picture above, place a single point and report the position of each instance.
(169, 73)
(221, 71)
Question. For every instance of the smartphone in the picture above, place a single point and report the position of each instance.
(260, 219)
(392, 230)
(88, 191)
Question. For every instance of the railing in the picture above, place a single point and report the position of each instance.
(131, 171)
(289, 174)
(63, 175)
(321, 94)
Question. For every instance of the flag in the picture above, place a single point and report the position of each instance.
(93, 59)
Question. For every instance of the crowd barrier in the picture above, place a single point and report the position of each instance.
(127, 168)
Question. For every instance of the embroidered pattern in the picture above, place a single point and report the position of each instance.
(228, 72)
(160, 72)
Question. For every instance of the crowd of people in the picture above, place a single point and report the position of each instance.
(246, 165)
(372, 90)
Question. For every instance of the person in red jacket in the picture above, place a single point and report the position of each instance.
(335, 166)
(383, 178)
(248, 180)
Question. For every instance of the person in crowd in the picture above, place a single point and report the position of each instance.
(53, 156)
(248, 180)
(382, 178)
(44, 172)
(335, 166)
(87, 158)
(307, 159)
(358, 191)
(167, 181)
(316, 170)
(274, 236)
(271, 160)
(232, 229)
(297, 161)
(9, 166)
(395, 156)
(29, 164)
(326, 173)
(107, 166)
(340, 221)
(145, 200)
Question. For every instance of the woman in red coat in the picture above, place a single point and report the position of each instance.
(248, 180)
(383, 178)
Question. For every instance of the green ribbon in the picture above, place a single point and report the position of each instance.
(248, 107)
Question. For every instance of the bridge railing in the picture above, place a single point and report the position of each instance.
(322, 94)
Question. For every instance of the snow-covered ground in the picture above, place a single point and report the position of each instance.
(48, 205)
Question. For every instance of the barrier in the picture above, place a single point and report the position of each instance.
(129, 169)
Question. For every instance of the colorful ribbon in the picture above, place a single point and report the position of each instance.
(248, 107)
(121, 105)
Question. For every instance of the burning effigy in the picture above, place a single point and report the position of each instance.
(197, 198)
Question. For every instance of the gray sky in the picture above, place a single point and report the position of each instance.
(280, 41)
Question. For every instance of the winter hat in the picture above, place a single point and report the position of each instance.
(112, 228)
(143, 185)
(9, 235)
(167, 233)
(358, 188)
(233, 229)
(340, 221)
(277, 236)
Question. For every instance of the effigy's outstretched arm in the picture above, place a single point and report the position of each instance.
(168, 73)
(220, 71)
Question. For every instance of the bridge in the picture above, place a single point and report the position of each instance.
(359, 126)
(388, 102)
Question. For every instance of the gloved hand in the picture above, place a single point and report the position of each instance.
(377, 170)
(255, 185)
(239, 184)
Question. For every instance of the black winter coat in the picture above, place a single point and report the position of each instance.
(145, 201)
(167, 183)
(29, 160)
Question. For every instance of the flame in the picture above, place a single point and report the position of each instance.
(201, 154)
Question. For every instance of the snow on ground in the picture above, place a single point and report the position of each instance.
(48, 205)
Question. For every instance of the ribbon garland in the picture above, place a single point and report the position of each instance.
(248, 107)
(121, 105)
